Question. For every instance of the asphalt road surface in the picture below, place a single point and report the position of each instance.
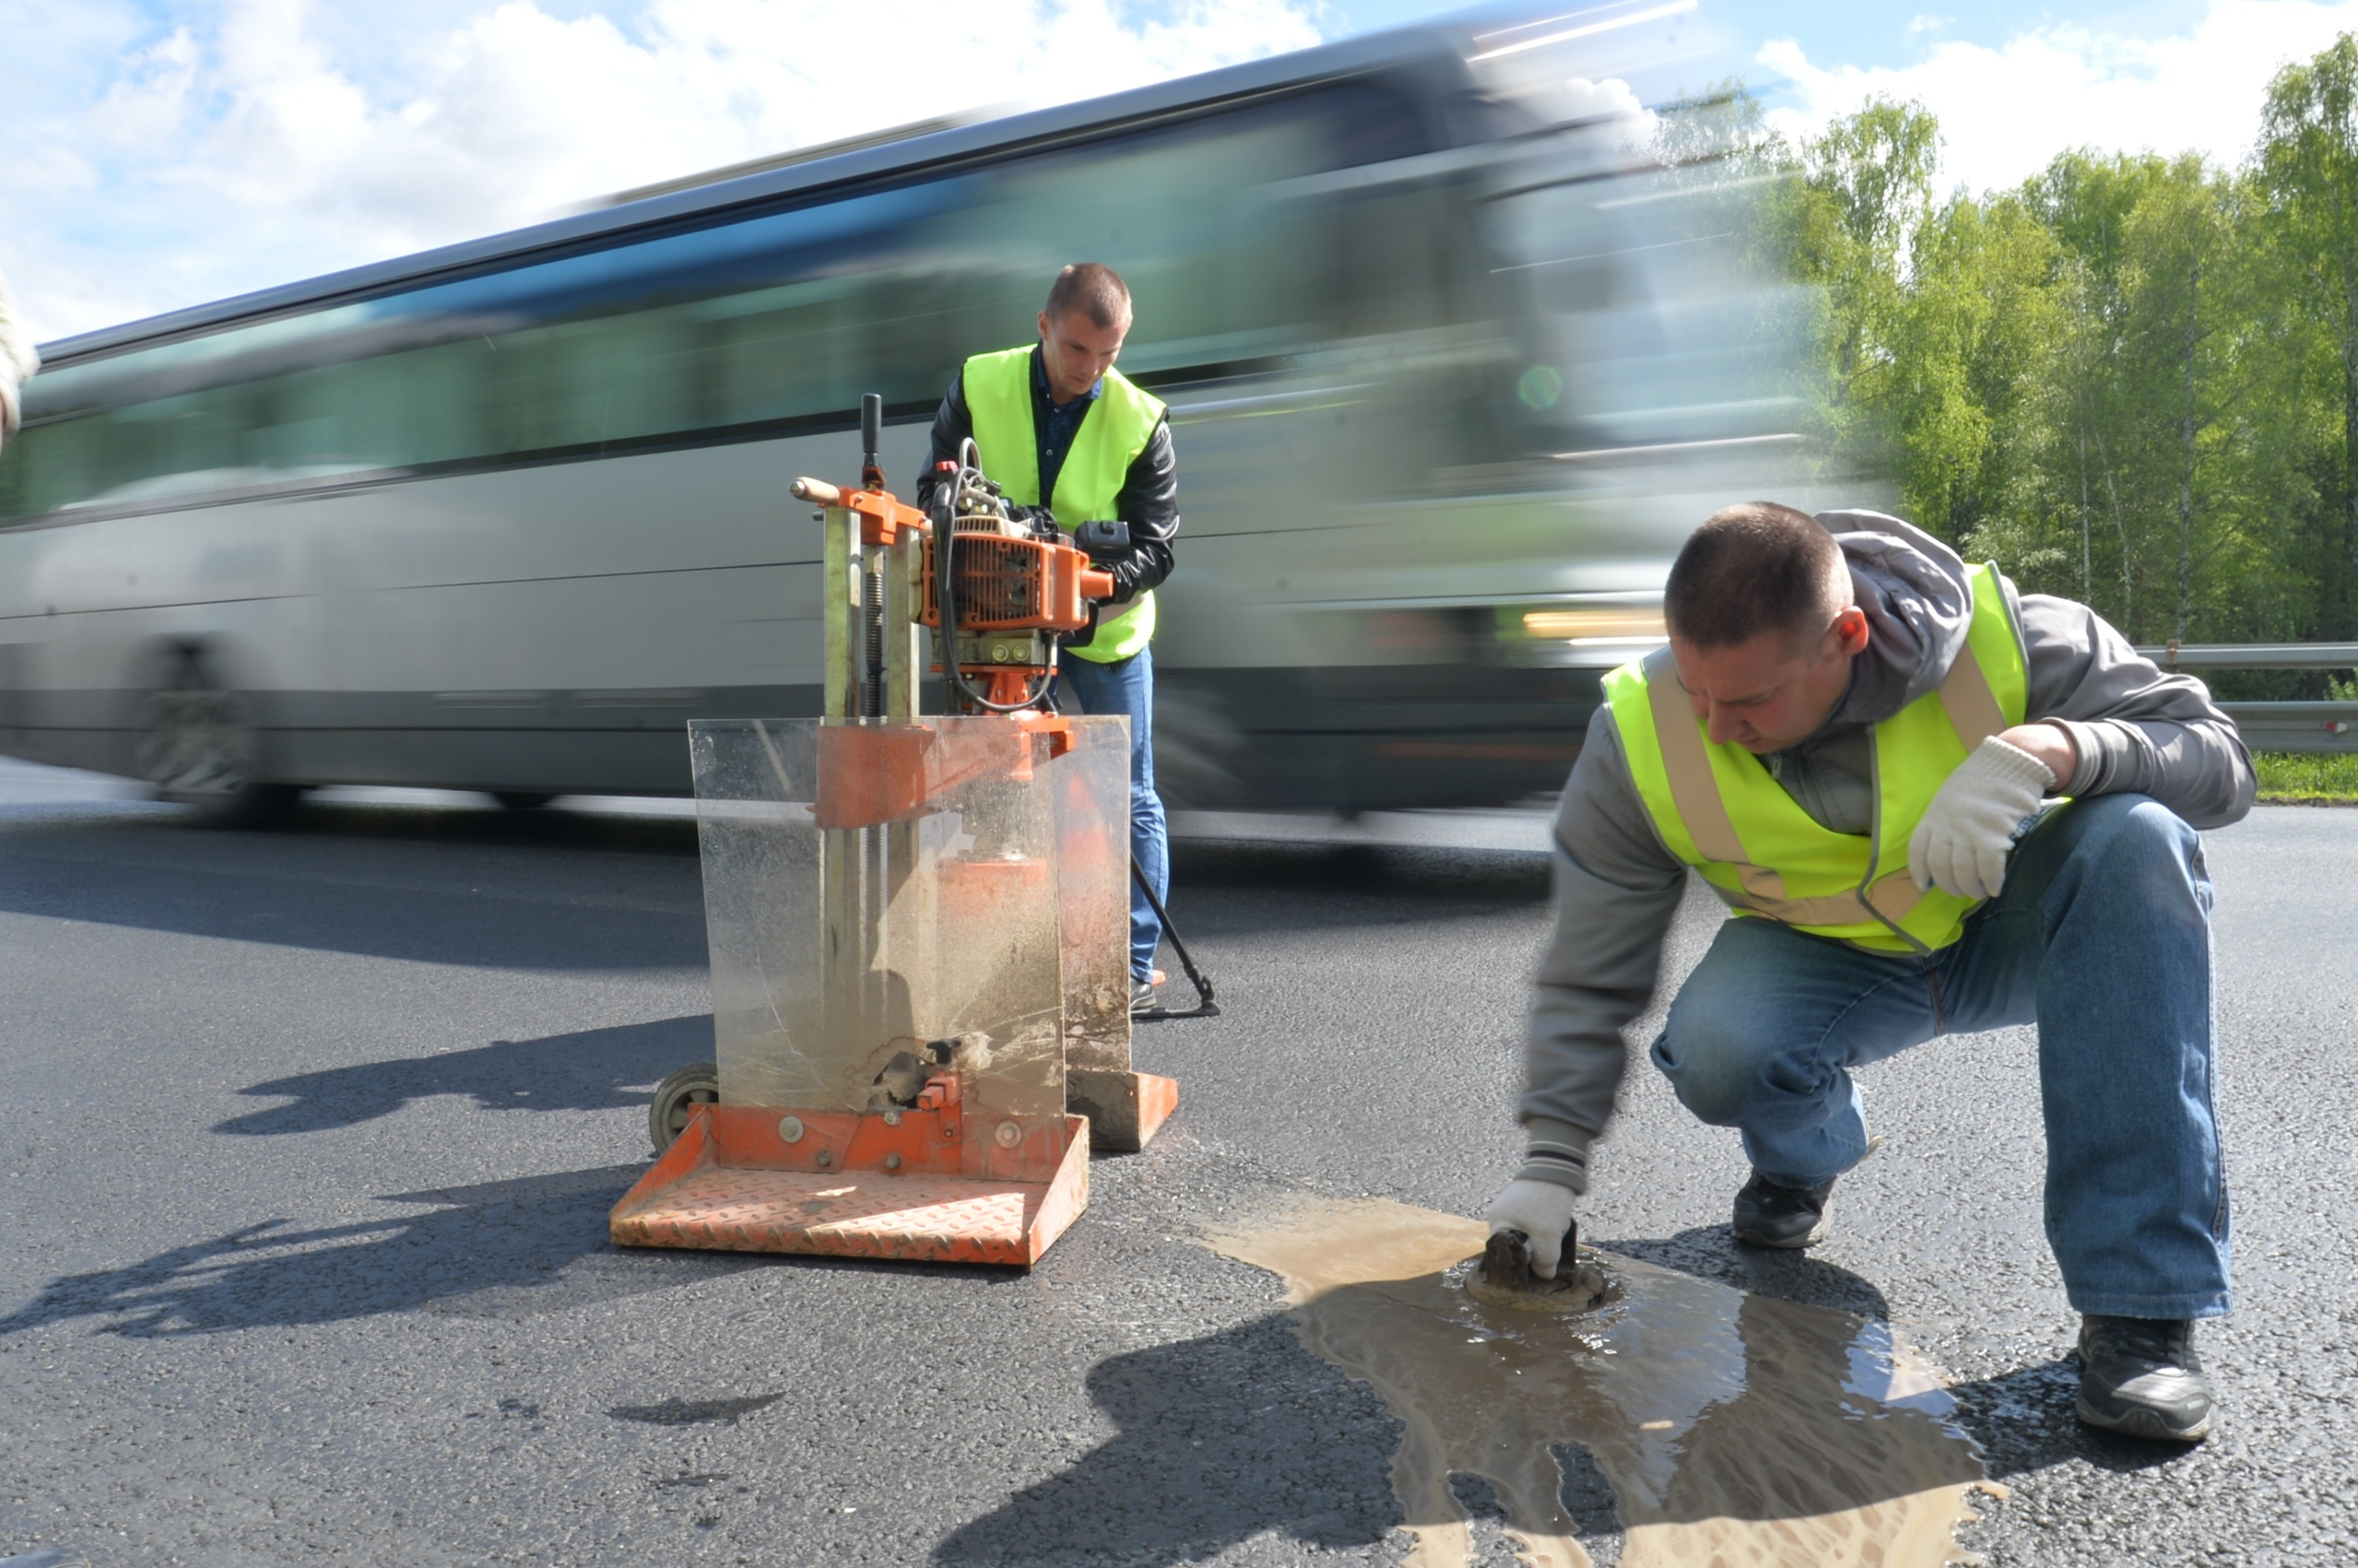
(311, 1135)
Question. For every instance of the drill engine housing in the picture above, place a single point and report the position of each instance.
(1019, 586)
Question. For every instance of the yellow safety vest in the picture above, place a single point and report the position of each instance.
(1118, 424)
(1720, 810)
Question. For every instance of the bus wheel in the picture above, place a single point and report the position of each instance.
(200, 746)
(699, 1083)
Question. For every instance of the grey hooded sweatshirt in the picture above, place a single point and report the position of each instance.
(1618, 885)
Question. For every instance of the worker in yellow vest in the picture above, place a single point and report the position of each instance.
(1858, 742)
(1062, 431)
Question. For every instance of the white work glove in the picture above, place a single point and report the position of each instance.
(1542, 1211)
(1970, 828)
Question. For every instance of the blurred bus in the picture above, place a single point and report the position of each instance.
(1454, 360)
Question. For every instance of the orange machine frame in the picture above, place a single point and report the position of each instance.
(921, 1181)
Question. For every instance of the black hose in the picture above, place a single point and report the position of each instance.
(1204, 1006)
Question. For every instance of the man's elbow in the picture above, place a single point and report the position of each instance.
(2238, 784)
(2239, 801)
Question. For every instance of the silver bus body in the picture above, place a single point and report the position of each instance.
(1451, 371)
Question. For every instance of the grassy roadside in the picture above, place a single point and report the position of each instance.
(2294, 779)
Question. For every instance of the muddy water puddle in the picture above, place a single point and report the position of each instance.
(1737, 1431)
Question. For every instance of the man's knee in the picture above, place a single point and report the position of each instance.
(1719, 1060)
(2134, 825)
(2132, 844)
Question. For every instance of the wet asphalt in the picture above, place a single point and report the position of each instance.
(310, 1137)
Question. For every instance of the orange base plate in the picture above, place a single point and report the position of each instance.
(707, 1191)
(1125, 1110)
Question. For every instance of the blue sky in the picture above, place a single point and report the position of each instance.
(158, 153)
(1858, 32)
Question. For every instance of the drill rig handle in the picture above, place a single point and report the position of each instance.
(872, 438)
(818, 491)
(1104, 539)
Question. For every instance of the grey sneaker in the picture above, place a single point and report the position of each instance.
(1142, 997)
(2140, 1376)
(1771, 1214)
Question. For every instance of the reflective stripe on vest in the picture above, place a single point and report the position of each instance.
(1119, 422)
(1720, 810)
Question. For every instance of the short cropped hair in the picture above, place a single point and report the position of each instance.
(1755, 567)
(1094, 289)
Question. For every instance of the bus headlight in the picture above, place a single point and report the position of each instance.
(1594, 625)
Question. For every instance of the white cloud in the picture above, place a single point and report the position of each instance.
(2005, 112)
(1583, 99)
(241, 149)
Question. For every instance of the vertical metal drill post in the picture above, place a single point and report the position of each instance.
(839, 697)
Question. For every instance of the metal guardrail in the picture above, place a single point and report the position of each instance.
(2309, 726)
(2254, 656)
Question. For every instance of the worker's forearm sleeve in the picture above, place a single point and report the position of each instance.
(1149, 503)
(1147, 564)
(2138, 729)
(1617, 890)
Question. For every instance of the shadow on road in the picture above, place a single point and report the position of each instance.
(500, 1250)
(1234, 1434)
(332, 893)
(596, 1069)
(1710, 1253)
(508, 1250)
(347, 879)
(2023, 1420)
(1222, 1438)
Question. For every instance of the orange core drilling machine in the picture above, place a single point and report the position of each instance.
(918, 923)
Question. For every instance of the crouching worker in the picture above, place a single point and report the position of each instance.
(1853, 736)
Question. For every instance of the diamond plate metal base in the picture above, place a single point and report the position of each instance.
(731, 1184)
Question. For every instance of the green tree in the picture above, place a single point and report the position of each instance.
(2308, 166)
(1967, 382)
(2184, 303)
(1862, 187)
(2133, 380)
(2086, 201)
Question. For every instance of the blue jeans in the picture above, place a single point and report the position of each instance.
(2101, 937)
(1127, 687)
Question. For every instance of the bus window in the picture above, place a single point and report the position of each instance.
(750, 326)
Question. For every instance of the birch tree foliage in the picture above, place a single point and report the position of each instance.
(2307, 163)
(2133, 380)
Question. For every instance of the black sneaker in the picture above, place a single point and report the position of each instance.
(2139, 1375)
(1142, 997)
(1771, 1214)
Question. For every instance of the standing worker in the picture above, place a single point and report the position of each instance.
(1062, 431)
(1850, 736)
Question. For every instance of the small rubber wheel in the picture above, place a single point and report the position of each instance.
(699, 1083)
